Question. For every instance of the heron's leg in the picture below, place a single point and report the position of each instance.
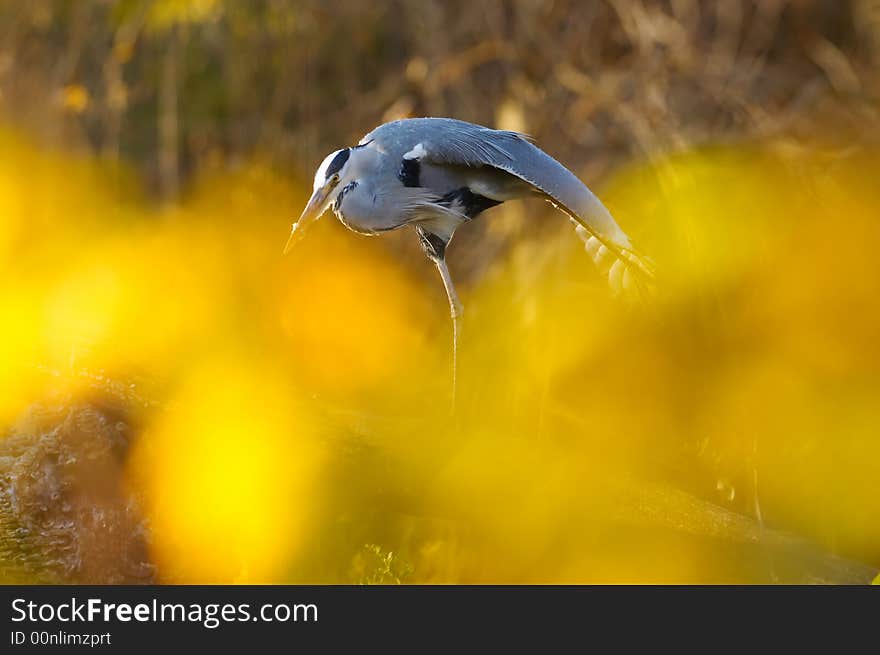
(435, 248)
(455, 311)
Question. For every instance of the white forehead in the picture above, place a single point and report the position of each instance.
(321, 174)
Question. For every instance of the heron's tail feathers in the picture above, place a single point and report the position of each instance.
(629, 273)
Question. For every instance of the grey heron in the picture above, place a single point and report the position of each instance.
(437, 173)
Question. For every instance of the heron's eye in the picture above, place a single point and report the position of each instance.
(335, 179)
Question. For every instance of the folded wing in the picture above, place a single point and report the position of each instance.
(445, 141)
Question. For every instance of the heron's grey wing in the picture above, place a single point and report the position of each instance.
(442, 141)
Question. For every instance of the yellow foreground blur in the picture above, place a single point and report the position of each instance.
(303, 431)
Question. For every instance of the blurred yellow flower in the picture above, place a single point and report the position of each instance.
(229, 474)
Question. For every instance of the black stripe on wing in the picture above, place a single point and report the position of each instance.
(467, 202)
(409, 173)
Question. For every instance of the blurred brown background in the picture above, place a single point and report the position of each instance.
(179, 85)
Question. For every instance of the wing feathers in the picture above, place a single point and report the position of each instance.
(448, 141)
(628, 272)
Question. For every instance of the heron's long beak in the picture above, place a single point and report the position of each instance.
(311, 213)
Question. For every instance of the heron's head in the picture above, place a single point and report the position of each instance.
(331, 177)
